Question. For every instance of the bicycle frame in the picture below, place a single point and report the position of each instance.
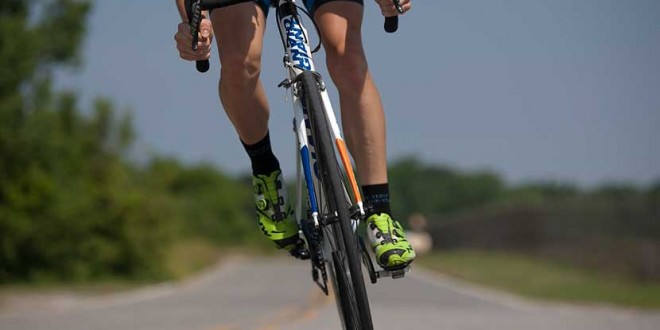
(298, 58)
(325, 223)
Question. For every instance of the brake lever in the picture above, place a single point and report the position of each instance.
(397, 4)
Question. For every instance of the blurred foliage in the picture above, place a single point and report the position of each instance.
(613, 227)
(434, 190)
(72, 207)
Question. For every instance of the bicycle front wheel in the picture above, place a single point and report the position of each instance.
(347, 269)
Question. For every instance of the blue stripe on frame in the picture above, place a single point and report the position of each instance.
(304, 158)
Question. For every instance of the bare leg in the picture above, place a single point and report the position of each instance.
(363, 119)
(239, 32)
(364, 126)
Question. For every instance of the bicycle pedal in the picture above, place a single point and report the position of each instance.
(300, 251)
(393, 273)
(300, 254)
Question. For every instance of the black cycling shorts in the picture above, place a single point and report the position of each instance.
(311, 5)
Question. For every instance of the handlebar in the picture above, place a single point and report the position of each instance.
(194, 10)
(392, 22)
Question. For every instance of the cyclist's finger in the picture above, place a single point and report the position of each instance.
(186, 51)
(181, 38)
(388, 8)
(405, 5)
(184, 40)
(183, 46)
(203, 47)
(205, 30)
(188, 54)
(183, 31)
(202, 56)
(195, 58)
(205, 35)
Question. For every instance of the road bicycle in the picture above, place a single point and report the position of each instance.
(329, 205)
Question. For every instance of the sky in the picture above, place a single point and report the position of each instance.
(565, 90)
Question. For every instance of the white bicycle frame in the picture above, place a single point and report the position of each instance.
(298, 58)
(298, 62)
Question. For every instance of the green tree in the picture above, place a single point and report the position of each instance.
(215, 206)
(30, 48)
(438, 190)
(69, 208)
(538, 192)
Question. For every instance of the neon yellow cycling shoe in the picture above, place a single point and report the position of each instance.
(388, 241)
(274, 215)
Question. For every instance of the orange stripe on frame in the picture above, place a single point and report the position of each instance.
(343, 153)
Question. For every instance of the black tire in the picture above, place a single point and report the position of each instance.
(352, 294)
(344, 295)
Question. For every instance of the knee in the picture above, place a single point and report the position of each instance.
(347, 67)
(240, 70)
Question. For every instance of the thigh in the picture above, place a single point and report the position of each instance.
(239, 31)
(312, 5)
(340, 24)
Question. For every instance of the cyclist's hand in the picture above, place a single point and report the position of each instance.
(388, 9)
(184, 41)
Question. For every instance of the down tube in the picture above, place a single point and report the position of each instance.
(307, 158)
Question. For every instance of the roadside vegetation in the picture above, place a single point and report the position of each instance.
(544, 279)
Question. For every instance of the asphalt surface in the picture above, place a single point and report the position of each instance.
(278, 294)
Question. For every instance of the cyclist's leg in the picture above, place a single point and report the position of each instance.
(239, 32)
(363, 121)
(362, 113)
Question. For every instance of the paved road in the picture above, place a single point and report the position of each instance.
(277, 294)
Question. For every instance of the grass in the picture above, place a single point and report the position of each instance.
(543, 279)
(188, 257)
(183, 259)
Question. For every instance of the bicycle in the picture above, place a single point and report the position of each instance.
(327, 212)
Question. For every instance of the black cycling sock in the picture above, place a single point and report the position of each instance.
(262, 157)
(377, 199)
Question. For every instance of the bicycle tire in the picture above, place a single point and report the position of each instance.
(352, 291)
(346, 306)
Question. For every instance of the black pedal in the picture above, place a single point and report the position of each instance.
(300, 251)
(395, 273)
